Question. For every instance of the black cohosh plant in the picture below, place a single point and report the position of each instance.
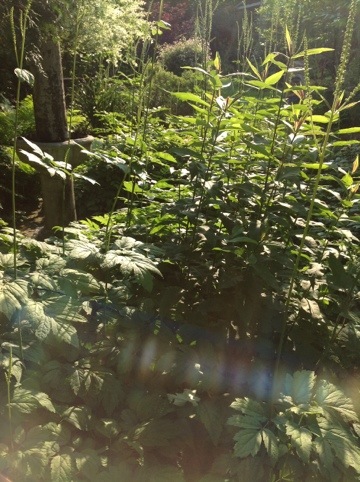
(207, 330)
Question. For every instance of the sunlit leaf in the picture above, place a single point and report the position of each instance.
(312, 52)
(62, 468)
(189, 97)
(274, 78)
(25, 76)
(301, 440)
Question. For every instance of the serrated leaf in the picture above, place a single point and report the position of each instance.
(249, 407)
(324, 451)
(51, 264)
(33, 313)
(248, 442)
(79, 249)
(12, 295)
(339, 276)
(301, 440)
(84, 282)
(62, 468)
(300, 386)
(333, 400)
(130, 262)
(42, 280)
(343, 443)
(271, 444)
(65, 332)
(27, 401)
(64, 309)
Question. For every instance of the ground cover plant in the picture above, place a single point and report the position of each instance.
(206, 327)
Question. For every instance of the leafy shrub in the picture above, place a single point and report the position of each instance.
(183, 53)
(164, 83)
(26, 120)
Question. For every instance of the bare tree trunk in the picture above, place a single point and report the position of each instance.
(49, 94)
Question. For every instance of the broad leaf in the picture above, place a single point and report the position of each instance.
(301, 440)
(62, 468)
(333, 401)
(343, 443)
(248, 442)
(271, 444)
(27, 401)
(12, 295)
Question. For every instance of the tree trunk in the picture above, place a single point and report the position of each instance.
(49, 94)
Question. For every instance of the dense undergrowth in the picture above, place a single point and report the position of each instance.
(207, 327)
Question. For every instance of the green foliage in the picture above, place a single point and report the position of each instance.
(224, 277)
(183, 53)
(25, 119)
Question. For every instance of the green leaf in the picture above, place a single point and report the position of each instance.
(260, 84)
(333, 401)
(248, 442)
(321, 119)
(323, 448)
(51, 264)
(254, 69)
(62, 468)
(27, 401)
(288, 40)
(274, 78)
(301, 440)
(271, 444)
(349, 130)
(312, 52)
(343, 443)
(249, 407)
(131, 262)
(79, 249)
(355, 165)
(34, 314)
(64, 309)
(300, 386)
(84, 282)
(189, 97)
(12, 295)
